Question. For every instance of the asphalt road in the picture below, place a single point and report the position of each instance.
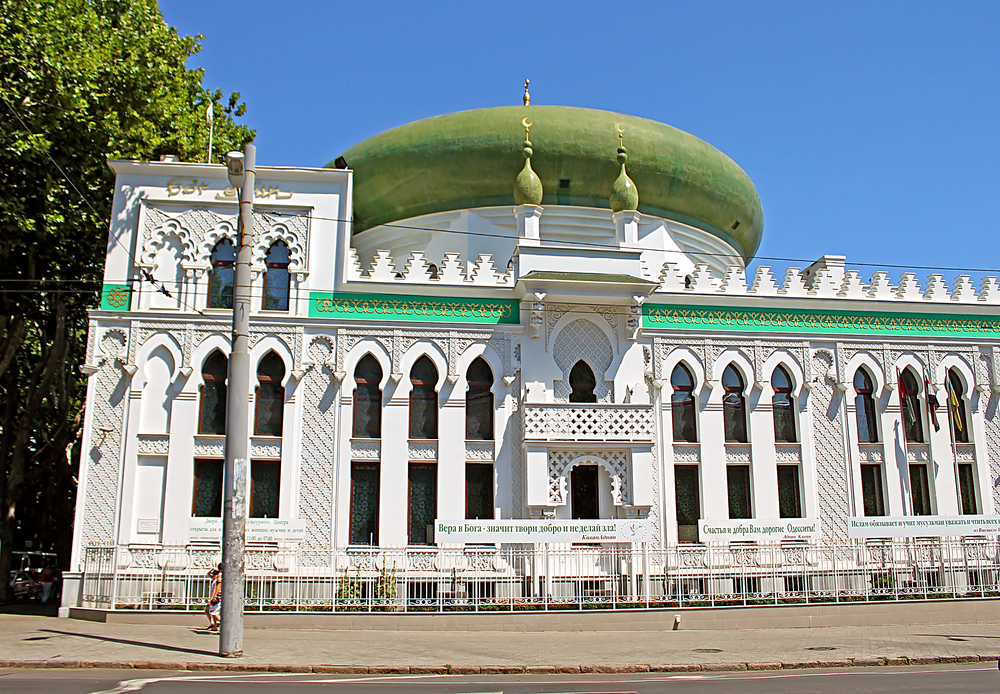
(963, 679)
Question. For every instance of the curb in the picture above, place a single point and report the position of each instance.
(486, 669)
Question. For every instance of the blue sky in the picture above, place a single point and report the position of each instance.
(870, 129)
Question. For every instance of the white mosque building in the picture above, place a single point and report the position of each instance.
(537, 314)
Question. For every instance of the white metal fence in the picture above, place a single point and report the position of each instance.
(525, 577)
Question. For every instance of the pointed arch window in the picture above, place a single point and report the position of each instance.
(212, 411)
(734, 411)
(864, 405)
(582, 383)
(479, 401)
(269, 401)
(220, 281)
(909, 397)
(783, 406)
(956, 408)
(423, 400)
(682, 404)
(368, 399)
(277, 279)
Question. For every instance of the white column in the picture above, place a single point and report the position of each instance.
(528, 224)
(714, 485)
(763, 463)
(394, 471)
(451, 456)
(178, 492)
(626, 227)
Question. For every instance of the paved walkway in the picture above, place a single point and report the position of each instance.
(36, 641)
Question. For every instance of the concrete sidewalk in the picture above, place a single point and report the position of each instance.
(33, 641)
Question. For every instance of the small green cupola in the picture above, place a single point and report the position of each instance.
(527, 186)
(624, 194)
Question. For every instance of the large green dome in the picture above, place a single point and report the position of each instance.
(471, 158)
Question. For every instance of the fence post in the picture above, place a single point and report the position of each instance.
(645, 571)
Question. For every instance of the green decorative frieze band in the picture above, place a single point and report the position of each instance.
(116, 297)
(407, 308)
(825, 322)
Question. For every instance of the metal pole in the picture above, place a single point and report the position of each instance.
(237, 426)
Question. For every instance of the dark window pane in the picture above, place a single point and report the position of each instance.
(212, 410)
(864, 407)
(738, 478)
(733, 406)
(207, 489)
(478, 490)
(364, 503)
(222, 275)
(967, 483)
(920, 490)
(956, 408)
(583, 481)
(368, 399)
(789, 498)
(423, 501)
(582, 383)
(871, 490)
(423, 400)
(479, 401)
(265, 483)
(784, 418)
(688, 502)
(277, 278)
(269, 402)
(910, 396)
(682, 411)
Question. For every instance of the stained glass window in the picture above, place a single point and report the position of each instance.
(220, 281)
(423, 501)
(277, 278)
(967, 484)
(212, 412)
(364, 503)
(871, 490)
(269, 402)
(864, 405)
(368, 399)
(682, 404)
(688, 502)
(789, 496)
(479, 490)
(920, 490)
(479, 402)
(207, 502)
(582, 383)
(423, 400)
(733, 406)
(738, 478)
(265, 483)
(783, 407)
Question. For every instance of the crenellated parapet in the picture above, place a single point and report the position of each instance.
(452, 270)
(826, 283)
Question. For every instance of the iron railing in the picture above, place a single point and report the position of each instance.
(526, 577)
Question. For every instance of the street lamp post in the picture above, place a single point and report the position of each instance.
(241, 167)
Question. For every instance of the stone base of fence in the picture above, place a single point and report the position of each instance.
(949, 611)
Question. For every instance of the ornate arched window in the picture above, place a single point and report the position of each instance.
(223, 275)
(277, 277)
(479, 401)
(423, 400)
(734, 411)
(909, 397)
(956, 408)
(783, 406)
(682, 404)
(269, 401)
(864, 405)
(212, 412)
(582, 383)
(368, 399)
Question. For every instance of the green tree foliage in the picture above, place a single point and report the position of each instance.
(80, 81)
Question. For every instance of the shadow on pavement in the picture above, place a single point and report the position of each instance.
(959, 637)
(32, 609)
(127, 642)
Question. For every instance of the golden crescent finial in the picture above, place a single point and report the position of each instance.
(618, 127)
(527, 125)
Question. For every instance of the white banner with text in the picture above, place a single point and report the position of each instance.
(867, 527)
(258, 530)
(758, 529)
(537, 532)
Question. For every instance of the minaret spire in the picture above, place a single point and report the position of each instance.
(527, 186)
(624, 194)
